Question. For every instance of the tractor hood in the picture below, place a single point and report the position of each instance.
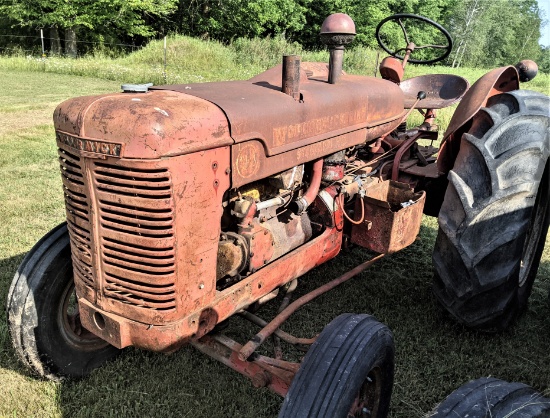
(179, 119)
(141, 125)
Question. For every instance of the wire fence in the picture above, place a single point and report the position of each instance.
(38, 53)
(47, 46)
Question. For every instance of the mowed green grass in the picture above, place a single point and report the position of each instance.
(433, 355)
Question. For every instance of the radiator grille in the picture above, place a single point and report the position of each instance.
(78, 220)
(136, 214)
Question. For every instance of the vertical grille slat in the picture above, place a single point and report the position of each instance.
(78, 221)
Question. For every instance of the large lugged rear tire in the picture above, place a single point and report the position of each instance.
(494, 218)
(347, 372)
(43, 318)
(493, 398)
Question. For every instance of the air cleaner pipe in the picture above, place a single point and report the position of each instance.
(313, 189)
(337, 31)
(251, 346)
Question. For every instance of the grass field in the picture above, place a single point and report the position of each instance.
(434, 355)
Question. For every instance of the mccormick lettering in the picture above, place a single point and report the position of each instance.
(288, 133)
(88, 145)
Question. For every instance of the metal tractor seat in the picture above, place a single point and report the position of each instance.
(441, 90)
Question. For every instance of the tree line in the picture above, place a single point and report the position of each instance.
(486, 33)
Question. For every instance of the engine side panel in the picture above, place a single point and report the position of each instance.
(249, 162)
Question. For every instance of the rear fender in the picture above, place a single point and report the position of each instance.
(497, 81)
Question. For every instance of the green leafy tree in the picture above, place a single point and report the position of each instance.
(366, 16)
(496, 33)
(228, 19)
(544, 59)
(129, 17)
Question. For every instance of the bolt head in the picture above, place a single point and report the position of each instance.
(260, 380)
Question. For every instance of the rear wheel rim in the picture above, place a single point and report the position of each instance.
(534, 230)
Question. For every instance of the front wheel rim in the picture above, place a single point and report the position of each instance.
(367, 401)
(70, 326)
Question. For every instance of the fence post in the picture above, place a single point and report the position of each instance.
(42, 39)
(43, 51)
(165, 78)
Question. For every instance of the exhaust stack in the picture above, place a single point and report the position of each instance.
(291, 76)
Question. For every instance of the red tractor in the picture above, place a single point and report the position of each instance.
(189, 204)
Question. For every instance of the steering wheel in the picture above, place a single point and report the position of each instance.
(397, 17)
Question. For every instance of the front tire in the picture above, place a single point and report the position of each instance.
(347, 372)
(43, 318)
(494, 398)
(494, 218)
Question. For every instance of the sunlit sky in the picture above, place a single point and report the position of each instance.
(545, 38)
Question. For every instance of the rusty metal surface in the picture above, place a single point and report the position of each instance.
(409, 50)
(262, 244)
(232, 255)
(336, 61)
(291, 76)
(143, 125)
(291, 339)
(203, 314)
(288, 232)
(337, 31)
(441, 90)
(251, 346)
(260, 111)
(499, 80)
(313, 189)
(250, 162)
(123, 218)
(324, 207)
(288, 179)
(406, 145)
(262, 371)
(338, 23)
(333, 167)
(391, 69)
(333, 172)
(388, 227)
(429, 171)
